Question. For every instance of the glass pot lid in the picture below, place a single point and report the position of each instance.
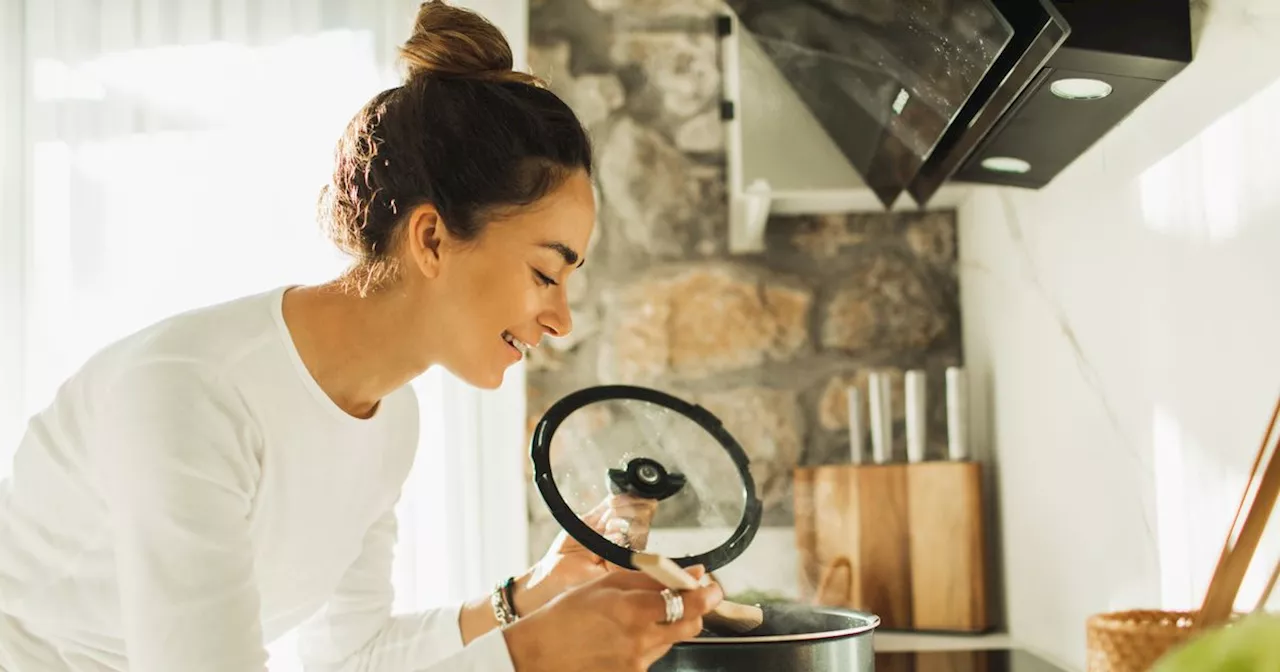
(625, 469)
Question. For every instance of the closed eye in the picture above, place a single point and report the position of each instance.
(543, 279)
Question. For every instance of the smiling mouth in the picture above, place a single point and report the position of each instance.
(520, 346)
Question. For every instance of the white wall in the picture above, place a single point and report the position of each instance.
(1122, 327)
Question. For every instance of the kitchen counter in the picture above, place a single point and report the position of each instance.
(963, 660)
(911, 652)
(893, 652)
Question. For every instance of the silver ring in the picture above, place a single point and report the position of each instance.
(675, 605)
(624, 526)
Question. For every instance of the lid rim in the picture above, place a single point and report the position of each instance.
(540, 454)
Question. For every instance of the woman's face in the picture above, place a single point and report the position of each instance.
(493, 297)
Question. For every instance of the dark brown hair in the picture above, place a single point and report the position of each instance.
(464, 133)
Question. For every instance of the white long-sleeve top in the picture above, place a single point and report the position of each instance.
(192, 494)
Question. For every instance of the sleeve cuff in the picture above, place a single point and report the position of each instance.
(453, 614)
(491, 653)
(487, 653)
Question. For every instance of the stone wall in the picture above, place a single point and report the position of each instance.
(768, 342)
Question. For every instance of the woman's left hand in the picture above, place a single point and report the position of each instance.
(621, 518)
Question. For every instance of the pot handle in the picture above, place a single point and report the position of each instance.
(826, 595)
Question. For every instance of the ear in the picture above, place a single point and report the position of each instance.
(425, 238)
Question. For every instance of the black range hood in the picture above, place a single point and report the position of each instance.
(1129, 48)
(917, 93)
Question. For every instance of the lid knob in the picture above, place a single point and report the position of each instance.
(647, 478)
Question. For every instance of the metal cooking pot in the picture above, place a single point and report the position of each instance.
(846, 646)
(700, 507)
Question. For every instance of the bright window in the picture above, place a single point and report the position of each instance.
(171, 157)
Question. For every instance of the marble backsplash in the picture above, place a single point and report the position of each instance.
(768, 342)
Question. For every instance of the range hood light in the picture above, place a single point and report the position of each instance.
(1005, 164)
(1080, 88)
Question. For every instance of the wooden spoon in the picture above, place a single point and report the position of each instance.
(728, 617)
(1260, 496)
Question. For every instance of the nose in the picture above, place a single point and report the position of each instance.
(557, 319)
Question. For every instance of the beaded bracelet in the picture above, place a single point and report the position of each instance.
(502, 600)
(510, 590)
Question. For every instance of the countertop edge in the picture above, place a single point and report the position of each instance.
(893, 642)
(911, 641)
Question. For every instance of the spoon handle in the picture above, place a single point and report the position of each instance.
(727, 616)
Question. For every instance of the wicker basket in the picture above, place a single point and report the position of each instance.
(1132, 641)
(1135, 640)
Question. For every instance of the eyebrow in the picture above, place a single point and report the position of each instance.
(570, 257)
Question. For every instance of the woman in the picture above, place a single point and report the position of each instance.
(230, 473)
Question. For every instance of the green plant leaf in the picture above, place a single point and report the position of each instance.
(1248, 645)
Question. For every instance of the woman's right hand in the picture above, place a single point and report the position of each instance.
(610, 623)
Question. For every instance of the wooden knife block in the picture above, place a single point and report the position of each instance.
(903, 541)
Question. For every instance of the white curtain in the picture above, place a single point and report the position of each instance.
(12, 227)
(159, 155)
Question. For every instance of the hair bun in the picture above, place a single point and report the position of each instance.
(455, 42)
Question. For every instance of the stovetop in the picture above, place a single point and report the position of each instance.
(983, 660)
